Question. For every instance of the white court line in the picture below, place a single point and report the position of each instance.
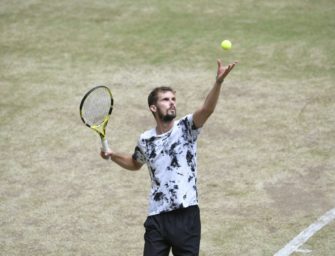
(300, 239)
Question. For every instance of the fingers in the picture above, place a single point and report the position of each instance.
(224, 71)
(229, 67)
(219, 64)
(104, 155)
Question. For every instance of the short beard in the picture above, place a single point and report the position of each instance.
(166, 118)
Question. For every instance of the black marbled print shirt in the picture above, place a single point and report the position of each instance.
(171, 160)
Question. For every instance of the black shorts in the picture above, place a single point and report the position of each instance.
(178, 229)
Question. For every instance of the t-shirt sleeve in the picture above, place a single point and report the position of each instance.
(193, 130)
(138, 155)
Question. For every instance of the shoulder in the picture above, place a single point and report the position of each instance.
(147, 135)
(187, 121)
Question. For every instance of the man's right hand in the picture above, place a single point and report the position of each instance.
(105, 155)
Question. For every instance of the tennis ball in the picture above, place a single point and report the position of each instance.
(226, 45)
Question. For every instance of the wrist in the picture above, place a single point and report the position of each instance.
(218, 82)
(110, 155)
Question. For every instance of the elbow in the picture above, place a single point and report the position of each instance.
(135, 166)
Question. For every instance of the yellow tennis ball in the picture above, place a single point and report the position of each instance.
(226, 45)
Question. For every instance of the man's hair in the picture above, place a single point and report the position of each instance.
(153, 96)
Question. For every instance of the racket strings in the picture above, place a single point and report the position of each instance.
(96, 106)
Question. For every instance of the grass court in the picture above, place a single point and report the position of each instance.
(266, 157)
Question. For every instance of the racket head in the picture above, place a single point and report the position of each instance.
(96, 107)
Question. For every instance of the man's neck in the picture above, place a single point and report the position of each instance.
(163, 127)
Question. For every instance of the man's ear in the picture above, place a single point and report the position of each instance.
(153, 108)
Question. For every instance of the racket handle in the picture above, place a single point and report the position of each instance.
(104, 143)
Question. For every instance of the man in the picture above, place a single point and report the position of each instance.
(169, 150)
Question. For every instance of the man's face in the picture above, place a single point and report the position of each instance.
(166, 106)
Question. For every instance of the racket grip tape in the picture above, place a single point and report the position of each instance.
(104, 143)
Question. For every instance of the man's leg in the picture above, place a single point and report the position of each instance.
(155, 244)
(186, 232)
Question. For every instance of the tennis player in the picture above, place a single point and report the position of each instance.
(170, 150)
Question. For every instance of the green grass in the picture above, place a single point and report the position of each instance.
(266, 156)
(277, 38)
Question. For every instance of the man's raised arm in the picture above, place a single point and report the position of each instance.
(201, 115)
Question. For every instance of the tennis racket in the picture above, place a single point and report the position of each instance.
(95, 110)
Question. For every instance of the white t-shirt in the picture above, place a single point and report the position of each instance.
(172, 164)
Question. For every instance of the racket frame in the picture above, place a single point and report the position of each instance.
(100, 128)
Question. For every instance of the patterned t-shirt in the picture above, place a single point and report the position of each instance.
(171, 160)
